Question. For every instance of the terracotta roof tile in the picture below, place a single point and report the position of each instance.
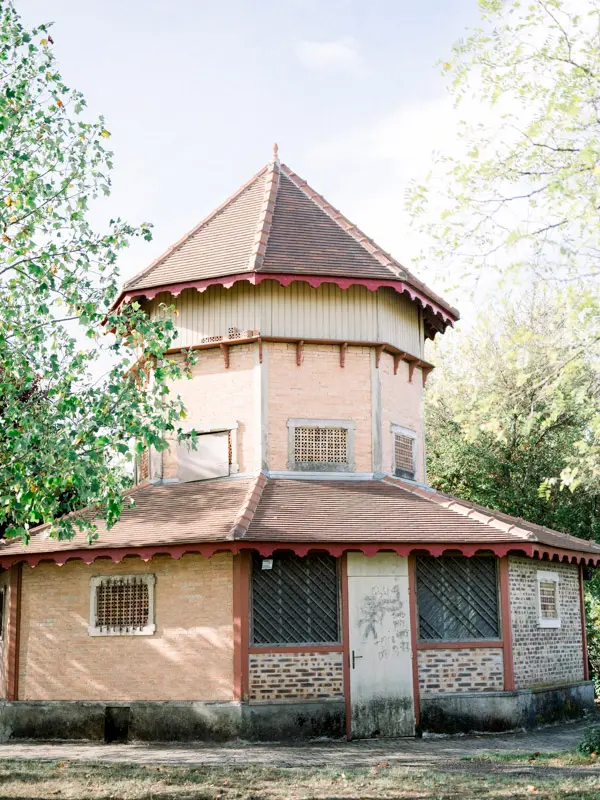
(278, 224)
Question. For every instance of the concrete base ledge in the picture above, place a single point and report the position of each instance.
(502, 711)
(169, 721)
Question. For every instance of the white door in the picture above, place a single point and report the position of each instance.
(381, 678)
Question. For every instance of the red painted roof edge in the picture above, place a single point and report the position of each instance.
(176, 551)
(285, 278)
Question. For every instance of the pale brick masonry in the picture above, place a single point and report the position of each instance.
(296, 676)
(464, 670)
(545, 656)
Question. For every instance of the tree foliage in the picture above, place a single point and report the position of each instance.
(64, 429)
(503, 424)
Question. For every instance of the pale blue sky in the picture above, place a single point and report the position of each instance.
(195, 93)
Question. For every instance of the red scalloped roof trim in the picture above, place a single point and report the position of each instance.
(88, 556)
(284, 279)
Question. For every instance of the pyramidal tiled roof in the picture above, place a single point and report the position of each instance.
(277, 224)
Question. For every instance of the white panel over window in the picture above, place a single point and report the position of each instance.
(122, 605)
(549, 612)
(210, 458)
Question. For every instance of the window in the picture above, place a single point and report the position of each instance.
(295, 600)
(321, 445)
(547, 583)
(122, 605)
(2, 600)
(404, 452)
(457, 598)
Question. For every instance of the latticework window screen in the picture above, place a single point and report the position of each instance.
(404, 456)
(321, 445)
(296, 601)
(122, 604)
(548, 603)
(457, 598)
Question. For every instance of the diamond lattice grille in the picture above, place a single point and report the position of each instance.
(295, 602)
(404, 460)
(457, 598)
(122, 603)
(548, 605)
(321, 445)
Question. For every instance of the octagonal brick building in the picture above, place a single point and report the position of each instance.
(294, 574)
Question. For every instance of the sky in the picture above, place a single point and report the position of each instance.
(195, 93)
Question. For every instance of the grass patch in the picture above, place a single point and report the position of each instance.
(89, 781)
(571, 758)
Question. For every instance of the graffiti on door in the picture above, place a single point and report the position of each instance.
(379, 603)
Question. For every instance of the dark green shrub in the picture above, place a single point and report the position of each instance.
(590, 742)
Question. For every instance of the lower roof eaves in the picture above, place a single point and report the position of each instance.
(263, 514)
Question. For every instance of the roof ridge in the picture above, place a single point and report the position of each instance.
(214, 213)
(399, 271)
(380, 255)
(246, 513)
(265, 217)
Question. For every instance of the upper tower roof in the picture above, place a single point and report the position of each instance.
(276, 226)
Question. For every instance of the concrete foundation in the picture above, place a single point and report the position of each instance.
(170, 721)
(502, 711)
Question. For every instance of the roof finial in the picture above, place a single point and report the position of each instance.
(275, 152)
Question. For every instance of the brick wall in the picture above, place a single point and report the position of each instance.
(190, 657)
(295, 676)
(544, 656)
(401, 404)
(319, 389)
(479, 669)
(215, 395)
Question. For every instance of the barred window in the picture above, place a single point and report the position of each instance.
(404, 456)
(2, 605)
(295, 600)
(122, 605)
(321, 445)
(457, 598)
(549, 616)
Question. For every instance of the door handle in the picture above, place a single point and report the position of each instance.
(354, 657)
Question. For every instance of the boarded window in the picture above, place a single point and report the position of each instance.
(208, 459)
(404, 456)
(457, 598)
(122, 605)
(295, 601)
(321, 445)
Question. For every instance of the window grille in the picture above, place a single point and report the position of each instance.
(296, 601)
(122, 605)
(457, 598)
(548, 600)
(404, 456)
(549, 614)
(321, 445)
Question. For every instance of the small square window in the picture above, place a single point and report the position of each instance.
(547, 583)
(404, 453)
(122, 605)
(321, 445)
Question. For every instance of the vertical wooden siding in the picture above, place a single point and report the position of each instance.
(297, 311)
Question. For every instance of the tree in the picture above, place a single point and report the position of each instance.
(64, 429)
(522, 196)
(499, 432)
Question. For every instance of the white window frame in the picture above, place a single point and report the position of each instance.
(410, 434)
(312, 466)
(548, 577)
(147, 630)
